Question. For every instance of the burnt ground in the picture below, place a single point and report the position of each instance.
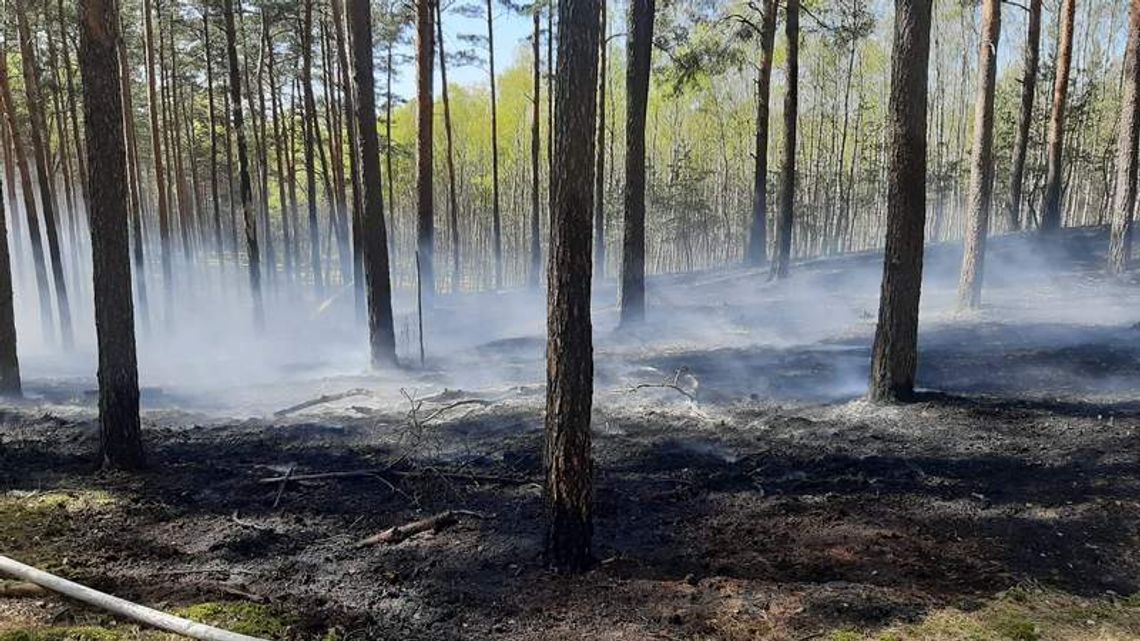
(772, 504)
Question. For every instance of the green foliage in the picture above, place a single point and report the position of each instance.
(239, 616)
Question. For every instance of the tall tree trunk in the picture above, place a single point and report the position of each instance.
(788, 168)
(134, 183)
(388, 70)
(425, 230)
(120, 434)
(600, 144)
(43, 171)
(219, 246)
(534, 275)
(381, 330)
(248, 215)
(639, 57)
(452, 205)
(758, 233)
(72, 108)
(159, 170)
(496, 213)
(279, 155)
(308, 118)
(1051, 209)
(1025, 115)
(353, 158)
(9, 360)
(569, 348)
(982, 161)
(1128, 136)
(43, 284)
(894, 357)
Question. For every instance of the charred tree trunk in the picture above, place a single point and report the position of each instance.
(43, 171)
(1128, 136)
(1025, 115)
(982, 161)
(638, 56)
(249, 217)
(788, 169)
(120, 434)
(758, 234)
(452, 204)
(425, 101)
(894, 356)
(570, 365)
(1051, 208)
(381, 330)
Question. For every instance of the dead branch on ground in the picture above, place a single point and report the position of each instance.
(434, 523)
(320, 400)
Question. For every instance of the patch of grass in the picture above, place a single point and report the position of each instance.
(72, 633)
(32, 522)
(240, 616)
(845, 635)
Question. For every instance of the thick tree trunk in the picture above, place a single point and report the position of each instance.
(981, 162)
(381, 330)
(758, 232)
(894, 357)
(120, 434)
(425, 101)
(248, 215)
(788, 169)
(638, 56)
(452, 204)
(599, 148)
(1051, 209)
(1025, 115)
(43, 284)
(1128, 136)
(569, 349)
(43, 171)
(496, 212)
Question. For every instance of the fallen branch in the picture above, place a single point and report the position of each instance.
(281, 488)
(117, 606)
(435, 523)
(20, 589)
(676, 388)
(350, 474)
(445, 408)
(320, 400)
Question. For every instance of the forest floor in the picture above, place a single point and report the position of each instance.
(744, 489)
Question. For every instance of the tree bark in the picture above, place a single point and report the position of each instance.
(249, 217)
(308, 118)
(381, 330)
(639, 58)
(1051, 208)
(159, 170)
(981, 162)
(1025, 115)
(1128, 136)
(43, 171)
(894, 357)
(425, 103)
(120, 434)
(758, 233)
(570, 366)
(788, 169)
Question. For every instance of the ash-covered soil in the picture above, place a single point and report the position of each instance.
(743, 488)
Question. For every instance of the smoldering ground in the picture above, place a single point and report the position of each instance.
(743, 488)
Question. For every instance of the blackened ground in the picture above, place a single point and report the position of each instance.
(744, 491)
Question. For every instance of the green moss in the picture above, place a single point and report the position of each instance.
(845, 635)
(1016, 627)
(32, 524)
(76, 633)
(240, 616)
